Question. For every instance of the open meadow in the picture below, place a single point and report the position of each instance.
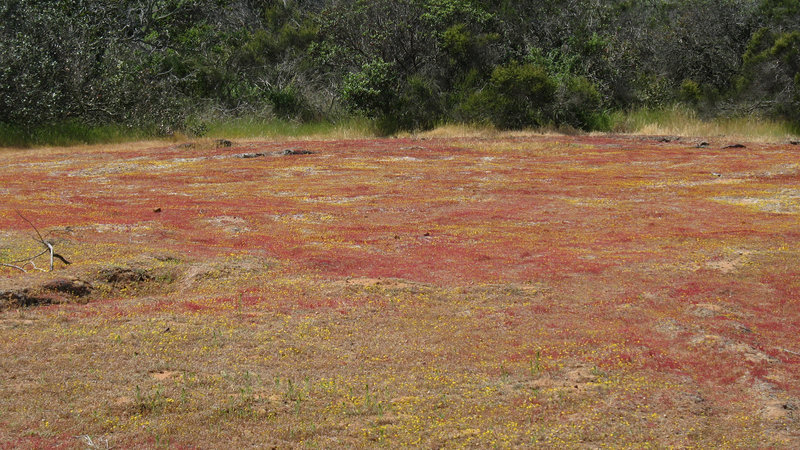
(517, 291)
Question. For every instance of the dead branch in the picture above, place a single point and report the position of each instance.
(33, 265)
(30, 261)
(41, 239)
(13, 267)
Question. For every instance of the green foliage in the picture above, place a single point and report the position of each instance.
(523, 91)
(690, 92)
(372, 90)
(457, 42)
(407, 64)
(780, 12)
(71, 132)
(771, 70)
(375, 93)
(419, 106)
(580, 105)
(466, 50)
(440, 13)
(518, 95)
(289, 103)
(787, 49)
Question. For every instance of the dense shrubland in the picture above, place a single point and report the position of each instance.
(160, 66)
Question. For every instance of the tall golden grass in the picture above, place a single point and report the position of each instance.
(680, 121)
(673, 121)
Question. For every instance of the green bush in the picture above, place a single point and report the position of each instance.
(771, 71)
(457, 42)
(419, 106)
(580, 105)
(518, 95)
(690, 92)
(289, 103)
(370, 91)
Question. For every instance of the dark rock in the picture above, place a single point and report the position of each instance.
(249, 155)
(223, 143)
(735, 146)
(296, 151)
(794, 142)
(157, 210)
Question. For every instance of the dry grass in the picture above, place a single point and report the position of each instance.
(242, 129)
(675, 121)
(683, 122)
(254, 128)
(525, 291)
(112, 147)
(454, 131)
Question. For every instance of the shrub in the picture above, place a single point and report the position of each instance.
(419, 107)
(690, 92)
(771, 72)
(517, 96)
(371, 90)
(289, 103)
(580, 105)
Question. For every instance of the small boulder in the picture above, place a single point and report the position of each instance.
(296, 151)
(250, 155)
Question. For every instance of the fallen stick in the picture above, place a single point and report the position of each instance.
(791, 352)
(13, 267)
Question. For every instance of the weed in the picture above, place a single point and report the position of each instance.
(536, 364)
(371, 406)
(150, 403)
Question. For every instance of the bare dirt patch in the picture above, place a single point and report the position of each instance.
(384, 283)
(164, 375)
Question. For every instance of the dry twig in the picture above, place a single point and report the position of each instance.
(48, 249)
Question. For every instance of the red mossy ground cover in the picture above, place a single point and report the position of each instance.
(667, 275)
